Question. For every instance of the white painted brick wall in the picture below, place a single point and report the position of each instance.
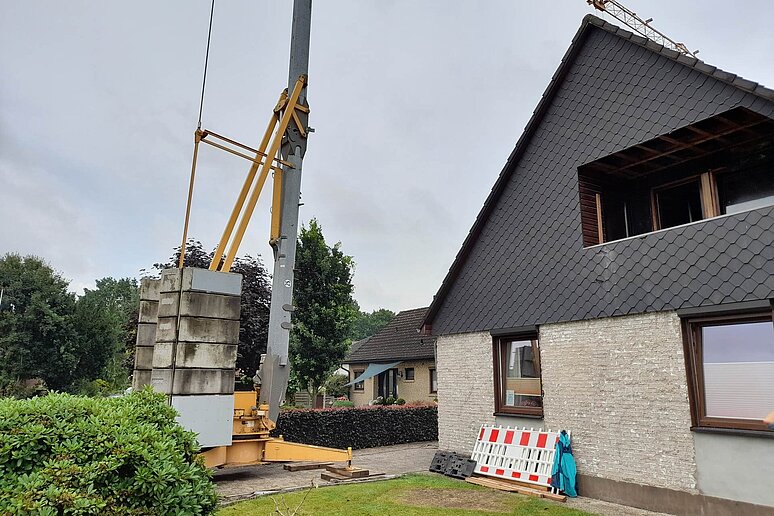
(465, 389)
(619, 384)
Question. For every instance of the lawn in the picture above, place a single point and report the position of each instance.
(419, 494)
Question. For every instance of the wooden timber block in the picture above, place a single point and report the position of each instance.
(304, 466)
(333, 477)
(506, 485)
(348, 472)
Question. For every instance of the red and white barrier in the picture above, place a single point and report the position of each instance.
(515, 454)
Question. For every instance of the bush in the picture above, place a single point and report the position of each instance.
(400, 401)
(335, 385)
(342, 403)
(63, 454)
(359, 427)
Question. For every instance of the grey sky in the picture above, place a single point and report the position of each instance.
(416, 106)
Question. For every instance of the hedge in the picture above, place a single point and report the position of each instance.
(359, 427)
(63, 454)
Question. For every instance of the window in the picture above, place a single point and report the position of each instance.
(746, 189)
(359, 386)
(717, 166)
(678, 204)
(518, 389)
(409, 377)
(433, 381)
(730, 363)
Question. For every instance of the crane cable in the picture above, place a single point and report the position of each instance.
(206, 61)
(197, 138)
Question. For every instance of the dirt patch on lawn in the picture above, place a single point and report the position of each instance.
(491, 500)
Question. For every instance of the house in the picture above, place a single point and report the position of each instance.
(618, 281)
(398, 361)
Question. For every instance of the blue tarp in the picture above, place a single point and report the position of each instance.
(373, 370)
(563, 472)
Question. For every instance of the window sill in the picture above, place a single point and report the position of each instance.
(517, 414)
(766, 434)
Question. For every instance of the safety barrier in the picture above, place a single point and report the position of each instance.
(515, 454)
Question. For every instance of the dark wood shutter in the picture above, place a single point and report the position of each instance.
(591, 210)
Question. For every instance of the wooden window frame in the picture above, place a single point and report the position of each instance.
(708, 193)
(498, 359)
(592, 193)
(695, 372)
(431, 380)
(405, 374)
(362, 384)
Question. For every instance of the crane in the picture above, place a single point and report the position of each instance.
(627, 16)
(280, 153)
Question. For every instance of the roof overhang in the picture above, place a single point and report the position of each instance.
(702, 140)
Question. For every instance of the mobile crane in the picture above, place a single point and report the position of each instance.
(280, 152)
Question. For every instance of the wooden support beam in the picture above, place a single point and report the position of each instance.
(505, 485)
(305, 466)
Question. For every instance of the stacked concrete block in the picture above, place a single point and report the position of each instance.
(196, 348)
(146, 333)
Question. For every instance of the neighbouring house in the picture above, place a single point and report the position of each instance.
(398, 361)
(618, 281)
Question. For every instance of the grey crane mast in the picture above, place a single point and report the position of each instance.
(275, 369)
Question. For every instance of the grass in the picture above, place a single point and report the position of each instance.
(418, 494)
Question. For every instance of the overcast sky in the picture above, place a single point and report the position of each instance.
(416, 106)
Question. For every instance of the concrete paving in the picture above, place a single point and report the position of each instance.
(241, 483)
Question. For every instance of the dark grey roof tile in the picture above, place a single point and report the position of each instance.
(399, 340)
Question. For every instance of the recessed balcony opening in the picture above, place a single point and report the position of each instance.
(721, 165)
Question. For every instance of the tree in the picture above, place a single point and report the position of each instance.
(367, 324)
(254, 309)
(37, 332)
(106, 321)
(46, 333)
(325, 309)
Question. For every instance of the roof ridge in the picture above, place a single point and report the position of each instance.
(693, 62)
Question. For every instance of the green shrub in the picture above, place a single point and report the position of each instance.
(63, 454)
(342, 403)
(335, 385)
(389, 401)
(400, 401)
(359, 427)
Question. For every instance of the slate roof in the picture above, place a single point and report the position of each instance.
(399, 340)
(357, 344)
(523, 261)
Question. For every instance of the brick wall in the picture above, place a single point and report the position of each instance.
(367, 394)
(465, 389)
(419, 388)
(619, 384)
